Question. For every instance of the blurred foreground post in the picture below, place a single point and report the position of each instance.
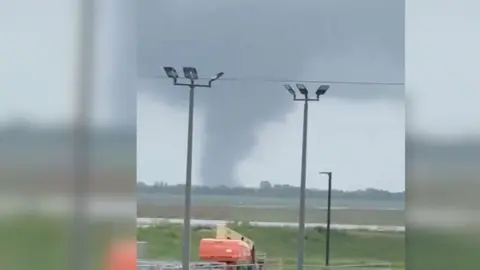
(81, 147)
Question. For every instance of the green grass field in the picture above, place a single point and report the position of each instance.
(228, 212)
(41, 243)
(346, 247)
(45, 244)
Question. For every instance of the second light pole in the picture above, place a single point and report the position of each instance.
(329, 211)
(190, 74)
(301, 217)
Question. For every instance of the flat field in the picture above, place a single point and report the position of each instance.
(240, 213)
(271, 209)
(262, 201)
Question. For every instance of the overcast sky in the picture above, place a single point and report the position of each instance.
(355, 131)
(249, 131)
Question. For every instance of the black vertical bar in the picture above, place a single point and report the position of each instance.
(327, 242)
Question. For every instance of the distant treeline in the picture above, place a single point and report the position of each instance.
(268, 190)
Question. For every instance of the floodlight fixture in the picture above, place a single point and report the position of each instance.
(171, 72)
(322, 89)
(289, 89)
(216, 77)
(302, 88)
(190, 73)
(220, 74)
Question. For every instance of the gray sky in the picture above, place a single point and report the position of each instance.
(360, 137)
(247, 132)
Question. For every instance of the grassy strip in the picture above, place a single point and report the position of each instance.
(42, 243)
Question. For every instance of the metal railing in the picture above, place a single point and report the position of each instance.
(359, 266)
(162, 265)
(157, 265)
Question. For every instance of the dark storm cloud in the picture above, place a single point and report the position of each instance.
(304, 40)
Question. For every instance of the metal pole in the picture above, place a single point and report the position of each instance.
(327, 242)
(142, 250)
(188, 186)
(301, 217)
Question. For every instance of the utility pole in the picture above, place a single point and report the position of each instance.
(191, 74)
(301, 217)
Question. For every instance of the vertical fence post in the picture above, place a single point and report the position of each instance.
(142, 250)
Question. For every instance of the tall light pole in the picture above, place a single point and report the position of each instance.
(190, 74)
(322, 89)
(329, 207)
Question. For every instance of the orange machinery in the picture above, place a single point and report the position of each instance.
(224, 250)
(230, 247)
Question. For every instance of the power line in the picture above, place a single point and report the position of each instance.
(281, 80)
